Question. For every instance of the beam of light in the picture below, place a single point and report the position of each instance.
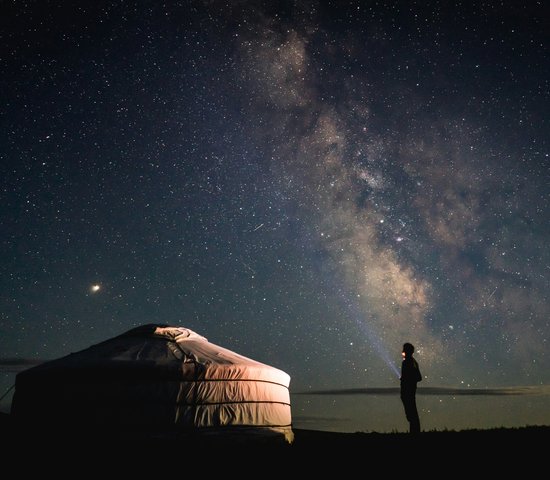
(362, 322)
(354, 310)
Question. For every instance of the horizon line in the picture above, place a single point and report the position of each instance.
(492, 391)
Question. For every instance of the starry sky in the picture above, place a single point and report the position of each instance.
(310, 184)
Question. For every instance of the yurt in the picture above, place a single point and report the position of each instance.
(157, 378)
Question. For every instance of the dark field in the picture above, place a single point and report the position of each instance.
(504, 450)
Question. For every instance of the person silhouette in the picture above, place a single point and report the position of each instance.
(410, 376)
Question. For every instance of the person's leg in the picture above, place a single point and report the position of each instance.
(409, 403)
(413, 416)
(405, 406)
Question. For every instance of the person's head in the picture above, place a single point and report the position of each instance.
(408, 350)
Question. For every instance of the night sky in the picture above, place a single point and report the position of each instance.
(310, 184)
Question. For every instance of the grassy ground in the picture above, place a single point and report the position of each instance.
(505, 450)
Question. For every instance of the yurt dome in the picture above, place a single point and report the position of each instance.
(161, 378)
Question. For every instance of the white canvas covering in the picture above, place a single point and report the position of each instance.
(159, 376)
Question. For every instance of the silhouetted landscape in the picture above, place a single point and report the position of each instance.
(499, 446)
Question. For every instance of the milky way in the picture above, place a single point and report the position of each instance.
(309, 184)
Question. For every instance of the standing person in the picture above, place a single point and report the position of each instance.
(410, 376)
